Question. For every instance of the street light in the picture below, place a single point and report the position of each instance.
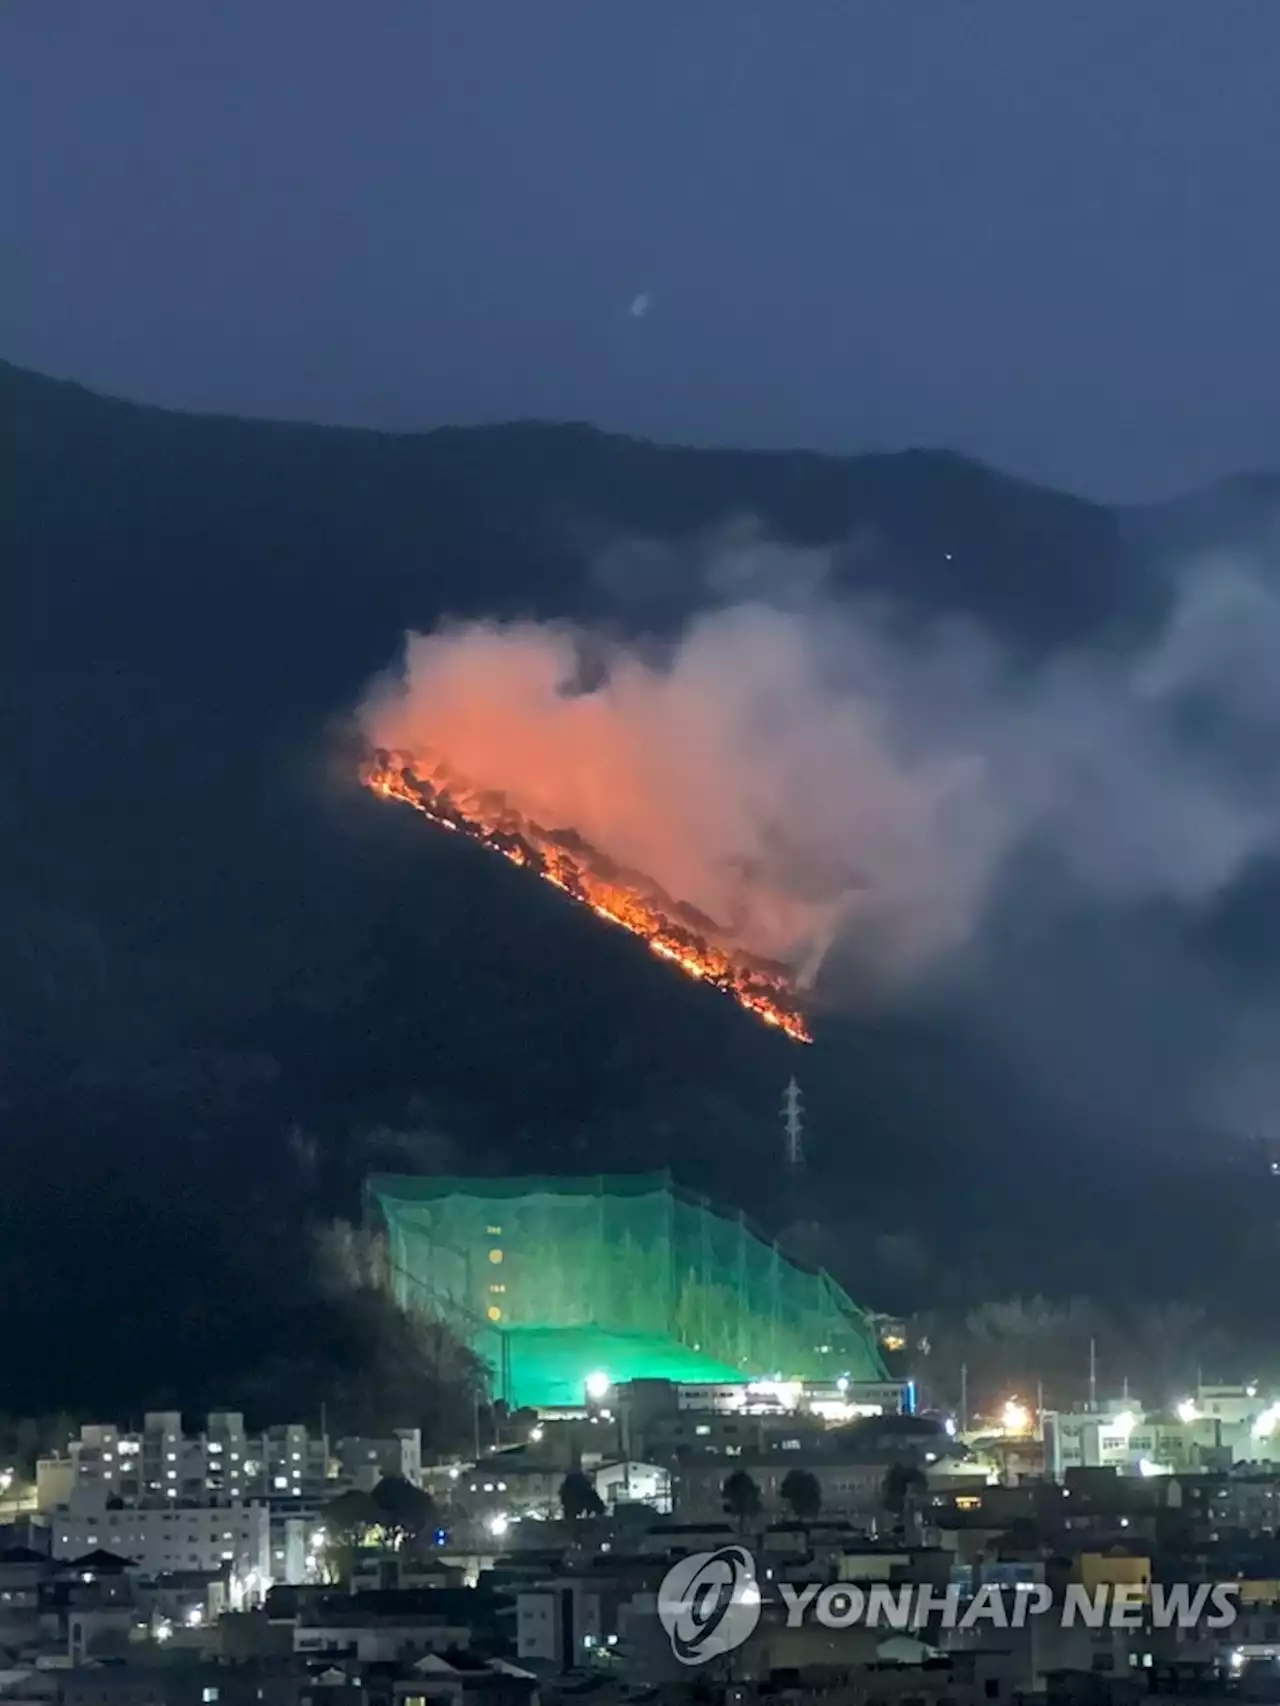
(1015, 1417)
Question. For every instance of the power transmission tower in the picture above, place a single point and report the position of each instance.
(793, 1129)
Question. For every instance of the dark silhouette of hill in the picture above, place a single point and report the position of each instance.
(295, 556)
(230, 983)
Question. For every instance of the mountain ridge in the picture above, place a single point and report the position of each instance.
(210, 938)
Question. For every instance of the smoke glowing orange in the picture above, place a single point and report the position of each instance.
(671, 930)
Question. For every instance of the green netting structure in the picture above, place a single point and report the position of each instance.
(551, 1280)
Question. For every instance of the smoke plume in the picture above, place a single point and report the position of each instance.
(749, 773)
(809, 770)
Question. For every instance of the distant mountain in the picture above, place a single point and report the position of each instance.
(299, 554)
(230, 983)
(1241, 513)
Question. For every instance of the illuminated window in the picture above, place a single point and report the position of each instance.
(497, 1288)
(494, 1231)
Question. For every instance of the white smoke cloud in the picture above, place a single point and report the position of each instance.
(810, 770)
(1094, 763)
(746, 773)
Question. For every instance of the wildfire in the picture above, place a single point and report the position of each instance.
(672, 930)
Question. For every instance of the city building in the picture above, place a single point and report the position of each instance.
(658, 1419)
(365, 1462)
(223, 1463)
(386, 1625)
(515, 1484)
(848, 1489)
(157, 1539)
(1216, 1427)
(113, 1485)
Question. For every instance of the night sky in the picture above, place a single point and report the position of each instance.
(1043, 234)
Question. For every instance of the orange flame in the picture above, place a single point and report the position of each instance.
(671, 930)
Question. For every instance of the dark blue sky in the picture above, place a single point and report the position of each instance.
(1047, 234)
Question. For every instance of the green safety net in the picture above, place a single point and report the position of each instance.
(551, 1280)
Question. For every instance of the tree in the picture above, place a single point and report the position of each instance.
(352, 1512)
(405, 1510)
(371, 1365)
(346, 1258)
(902, 1482)
(578, 1497)
(741, 1497)
(346, 1522)
(803, 1492)
(24, 1439)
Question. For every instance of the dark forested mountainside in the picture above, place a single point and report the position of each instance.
(230, 983)
(295, 556)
